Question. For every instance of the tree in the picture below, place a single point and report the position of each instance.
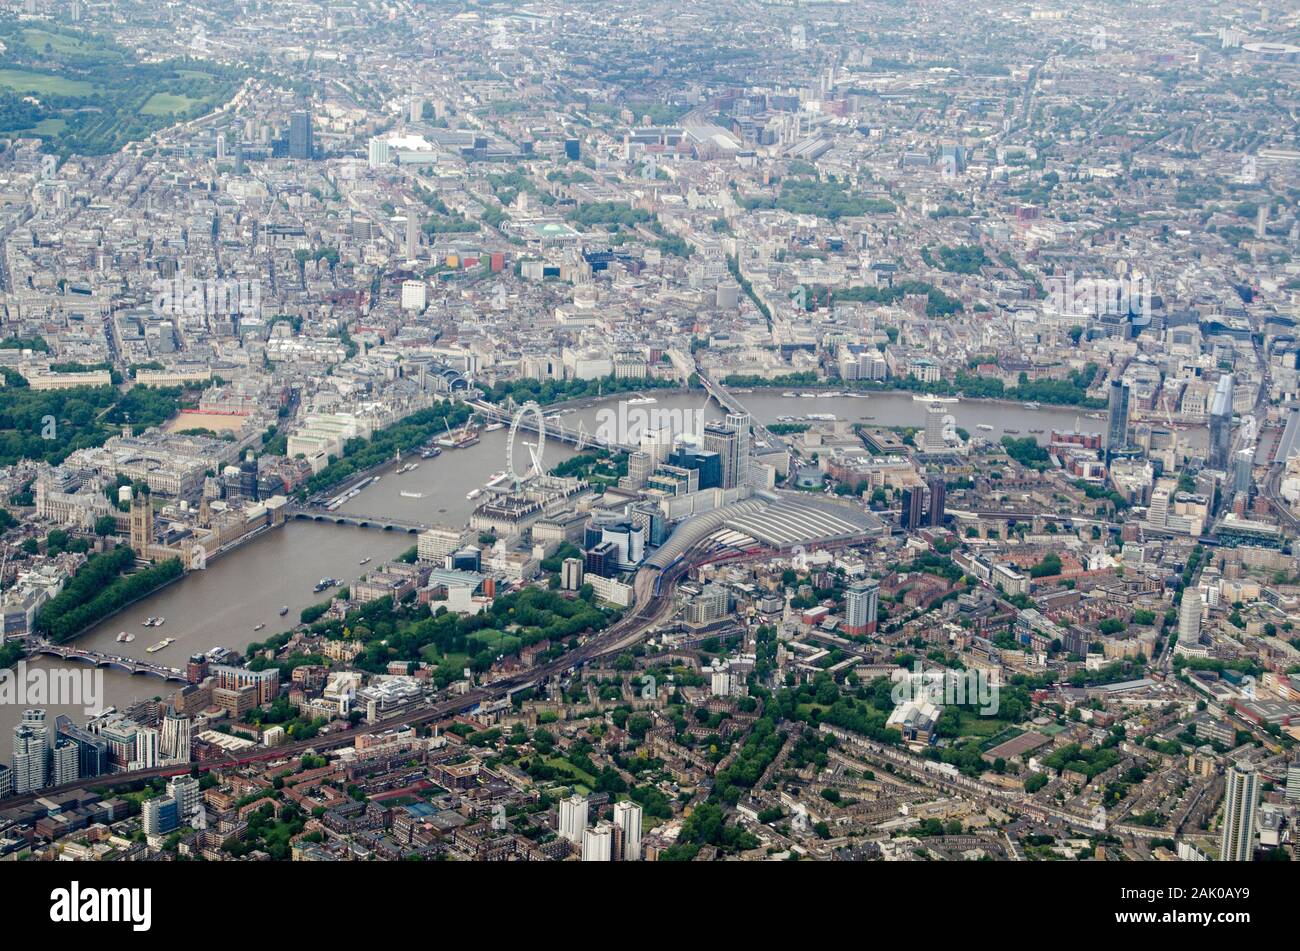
(1049, 566)
(105, 525)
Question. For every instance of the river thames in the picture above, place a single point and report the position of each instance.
(220, 606)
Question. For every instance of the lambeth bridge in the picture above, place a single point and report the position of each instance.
(132, 665)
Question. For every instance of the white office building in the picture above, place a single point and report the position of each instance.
(1240, 803)
(598, 843)
(412, 236)
(379, 152)
(148, 748)
(571, 574)
(573, 819)
(935, 428)
(741, 423)
(175, 737)
(1189, 618)
(861, 607)
(31, 753)
(185, 790)
(627, 818)
(414, 295)
(65, 763)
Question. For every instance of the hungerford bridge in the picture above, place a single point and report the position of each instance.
(531, 417)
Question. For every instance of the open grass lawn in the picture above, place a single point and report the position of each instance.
(451, 662)
(23, 80)
(49, 127)
(493, 640)
(972, 724)
(564, 766)
(165, 103)
(38, 40)
(804, 711)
